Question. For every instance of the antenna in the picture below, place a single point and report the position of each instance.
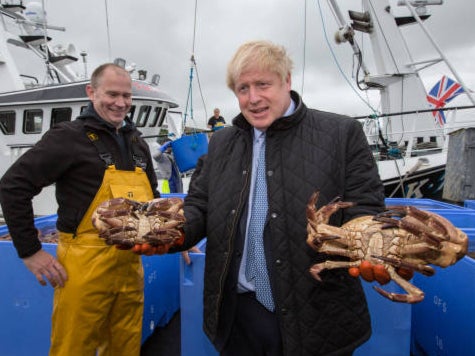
(84, 61)
(108, 31)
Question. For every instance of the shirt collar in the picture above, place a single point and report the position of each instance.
(291, 108)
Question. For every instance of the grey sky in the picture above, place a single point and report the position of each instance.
(157, 35)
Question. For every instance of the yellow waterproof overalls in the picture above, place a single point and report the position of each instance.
(101, 305)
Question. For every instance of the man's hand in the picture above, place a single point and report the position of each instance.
(185, 255)
(42, 264)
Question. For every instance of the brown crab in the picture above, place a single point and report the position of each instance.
(402, 238)
(128, 223)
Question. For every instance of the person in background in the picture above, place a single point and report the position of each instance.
(259, 297)
(216, 121)
(168, 173)
(98, 296)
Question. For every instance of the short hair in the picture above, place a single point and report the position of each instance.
(99, 71)
(264, 55)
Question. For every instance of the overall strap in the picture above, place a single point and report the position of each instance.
(106, 156)
(104, 153)
(137, 154)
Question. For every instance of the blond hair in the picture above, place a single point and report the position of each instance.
(263, 55)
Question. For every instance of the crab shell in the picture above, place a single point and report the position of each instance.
(126, 222)
(401, 240)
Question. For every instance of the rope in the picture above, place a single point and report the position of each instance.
(108, 32)
(304, 46)
(193, 67)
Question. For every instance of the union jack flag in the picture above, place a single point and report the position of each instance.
(443, 91)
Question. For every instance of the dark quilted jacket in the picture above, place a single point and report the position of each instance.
(307, 151)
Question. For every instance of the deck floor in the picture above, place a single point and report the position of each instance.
(164, 340)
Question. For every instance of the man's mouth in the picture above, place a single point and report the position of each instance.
(258, 111)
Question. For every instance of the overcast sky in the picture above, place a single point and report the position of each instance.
(158, 35)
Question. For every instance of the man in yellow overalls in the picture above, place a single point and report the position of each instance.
(98, 299)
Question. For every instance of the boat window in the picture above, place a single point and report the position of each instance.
(159, 117)
(59, 115)
(156, 115)
(132, 112)
(143, 115)
(32, 121)
(7, 122)
(162, 117)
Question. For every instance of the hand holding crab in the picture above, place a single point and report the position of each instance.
(146, 228)
(388, 246)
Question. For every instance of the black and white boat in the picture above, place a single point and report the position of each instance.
(410, 139)
(39, 87)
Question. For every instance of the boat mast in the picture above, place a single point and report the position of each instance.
(396, 76)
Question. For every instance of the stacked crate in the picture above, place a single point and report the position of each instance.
(441, 323)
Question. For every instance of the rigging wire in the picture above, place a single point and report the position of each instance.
(193, 67)
(373, 119)
(44, 47)
(108, 32)
(304, 46)
(336, 60)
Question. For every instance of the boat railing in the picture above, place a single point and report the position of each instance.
(413, 142)
(20, 145)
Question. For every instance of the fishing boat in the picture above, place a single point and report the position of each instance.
(40, 87)
(409, 132)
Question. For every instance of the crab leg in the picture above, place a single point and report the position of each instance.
(414, 227)
(414, 294)
(423, 269)
(326, 211)
(319, 267)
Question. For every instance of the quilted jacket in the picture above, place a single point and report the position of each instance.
(307, 151)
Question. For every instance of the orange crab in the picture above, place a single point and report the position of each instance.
(388, 246)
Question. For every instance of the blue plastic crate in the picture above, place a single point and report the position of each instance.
(470, 204)
(188, 149)
(161, 291)
(26, 307)
(45, 223)
(442, 323)
(421, 203)
(193, 339)
(391, 322)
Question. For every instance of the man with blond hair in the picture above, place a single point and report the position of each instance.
(259, 297)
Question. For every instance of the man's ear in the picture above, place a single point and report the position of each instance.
(90, 91)
(288, 81)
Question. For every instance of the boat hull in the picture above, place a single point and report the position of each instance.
(427, 183)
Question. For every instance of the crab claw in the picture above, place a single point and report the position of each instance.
(402, 298)
(315, 271)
